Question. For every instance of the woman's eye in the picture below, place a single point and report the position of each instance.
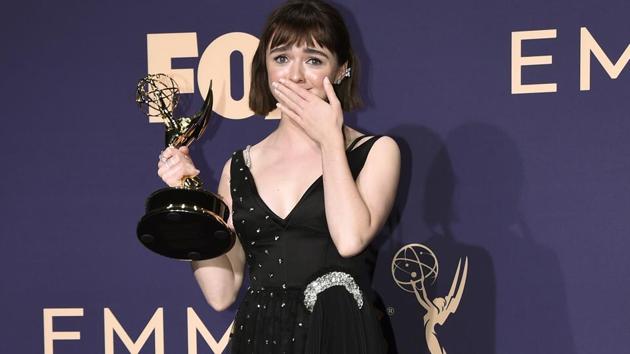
(314, 61)
(280, 59)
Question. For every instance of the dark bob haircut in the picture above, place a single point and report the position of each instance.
(295, 23)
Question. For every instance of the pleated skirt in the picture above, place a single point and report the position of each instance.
(275, 320)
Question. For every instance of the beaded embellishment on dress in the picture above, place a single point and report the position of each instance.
(328, 280)
(246, 157)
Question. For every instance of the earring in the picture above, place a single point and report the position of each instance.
(346, 73)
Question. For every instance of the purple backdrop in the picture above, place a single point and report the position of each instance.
(532, 188)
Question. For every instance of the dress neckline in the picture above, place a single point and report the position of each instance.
(261, 202)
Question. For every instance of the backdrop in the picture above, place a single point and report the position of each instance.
(512, 117)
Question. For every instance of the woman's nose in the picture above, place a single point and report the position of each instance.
(296, 74)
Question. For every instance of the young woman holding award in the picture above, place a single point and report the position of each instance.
(306, 201)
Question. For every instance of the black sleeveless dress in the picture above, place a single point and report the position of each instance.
(281, 312)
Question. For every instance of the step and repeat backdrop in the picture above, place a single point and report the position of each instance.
(513, 119)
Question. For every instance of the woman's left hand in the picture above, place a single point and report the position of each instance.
(321, 120)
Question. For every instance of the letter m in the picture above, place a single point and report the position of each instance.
(155, 325)
(588, 45)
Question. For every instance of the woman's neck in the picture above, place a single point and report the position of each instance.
(288, 135)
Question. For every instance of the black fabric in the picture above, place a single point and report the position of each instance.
(283, 256)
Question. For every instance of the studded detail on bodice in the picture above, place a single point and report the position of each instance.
(288, 252)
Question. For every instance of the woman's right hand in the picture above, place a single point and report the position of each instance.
(175, 165)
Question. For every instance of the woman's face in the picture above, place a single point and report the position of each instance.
(305, 65)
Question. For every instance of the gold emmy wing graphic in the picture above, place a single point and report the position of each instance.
(412, 266)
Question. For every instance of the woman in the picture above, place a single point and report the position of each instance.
(306, 201)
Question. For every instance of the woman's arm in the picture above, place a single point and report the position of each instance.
(220, 278)
(356, 211)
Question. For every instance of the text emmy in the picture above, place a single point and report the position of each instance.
(114, 329)
(588, 46)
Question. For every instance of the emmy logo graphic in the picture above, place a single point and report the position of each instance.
(414, 265)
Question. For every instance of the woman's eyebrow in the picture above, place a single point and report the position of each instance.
(315, 51)
(280, 48)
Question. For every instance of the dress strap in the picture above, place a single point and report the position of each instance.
(357, 157)
(237, 167)
(354, 142)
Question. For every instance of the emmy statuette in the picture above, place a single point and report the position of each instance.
(412, 266)
(186, 222)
